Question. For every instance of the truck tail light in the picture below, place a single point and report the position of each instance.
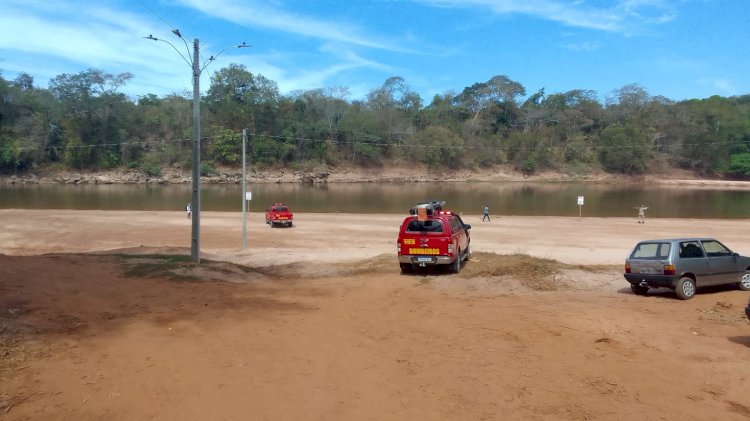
(450, 248)
(669, 270)
(627, 267)
(398, 248)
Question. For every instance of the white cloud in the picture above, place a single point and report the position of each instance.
(623, 17)
(259, 14)
(583, 46)
(721, 85)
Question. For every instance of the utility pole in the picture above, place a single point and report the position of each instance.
(195, 202)
(244, 191)
(195, 244)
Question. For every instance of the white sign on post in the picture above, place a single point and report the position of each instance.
(580, 200)
(248, 195)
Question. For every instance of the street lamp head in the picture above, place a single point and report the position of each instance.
(177, 32)
(244, 45)
(151, 37)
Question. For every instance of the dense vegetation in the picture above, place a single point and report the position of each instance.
(81, 121)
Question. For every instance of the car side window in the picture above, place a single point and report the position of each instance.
(690, 250)
(651, 251)
(714, 248)
(455, 225)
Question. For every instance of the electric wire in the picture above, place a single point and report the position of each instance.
(209, 140)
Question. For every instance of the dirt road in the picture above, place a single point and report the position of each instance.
(318, 323)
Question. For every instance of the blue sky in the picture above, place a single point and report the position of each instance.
(679, 49)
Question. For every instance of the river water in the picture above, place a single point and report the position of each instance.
(503, 198)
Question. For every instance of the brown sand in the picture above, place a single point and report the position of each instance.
(325, 327)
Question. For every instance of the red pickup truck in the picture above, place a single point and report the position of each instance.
(433, 236)
(279, 214)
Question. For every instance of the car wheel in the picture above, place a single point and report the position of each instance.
(406, 267)
(467, 256)
(638, 290)
(745, 281)
(290, 225)
(455, 267)
(685, 288)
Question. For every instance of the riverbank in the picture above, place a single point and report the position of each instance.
(324, 174)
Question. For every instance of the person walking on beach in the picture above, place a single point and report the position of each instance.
(188, 211)
(642, 214)
(486, 213)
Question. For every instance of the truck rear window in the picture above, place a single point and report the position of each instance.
(430, 225)
(651, 251)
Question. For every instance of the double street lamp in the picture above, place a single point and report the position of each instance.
(195, 203)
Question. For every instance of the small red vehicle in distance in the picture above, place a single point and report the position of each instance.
(279, 214)
(433, 236)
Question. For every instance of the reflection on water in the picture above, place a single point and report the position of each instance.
(503, 198)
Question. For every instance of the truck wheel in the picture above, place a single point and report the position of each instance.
(638, 290)
(467, 256)
(455, 267)
(685, 288)
(406, 267)
(290, 225)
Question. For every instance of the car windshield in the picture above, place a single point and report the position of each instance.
(280, 208)
(430, 225)
(651, 251)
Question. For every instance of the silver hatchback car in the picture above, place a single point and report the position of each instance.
(685, 264)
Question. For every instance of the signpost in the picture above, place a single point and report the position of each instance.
(580, 205)
(245, 207)
(248, 195)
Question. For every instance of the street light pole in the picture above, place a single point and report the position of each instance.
(195, 202)
(244, 191)
(195, 244)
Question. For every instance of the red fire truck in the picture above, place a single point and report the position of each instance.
(279, 214)
(430, 236)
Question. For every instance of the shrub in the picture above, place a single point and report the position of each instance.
(528, 166)
(151, 169)
(207, 169)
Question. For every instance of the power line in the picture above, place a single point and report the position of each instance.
(157, 15)
(209, 140)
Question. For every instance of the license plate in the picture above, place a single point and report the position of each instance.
(283, 217)
(646, 270)
(424, 259)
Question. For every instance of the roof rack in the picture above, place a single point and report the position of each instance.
(432, 206)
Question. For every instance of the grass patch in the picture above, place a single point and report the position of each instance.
(533, 272)
(179, 268)
(166, 257)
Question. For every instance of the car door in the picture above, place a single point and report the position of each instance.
(693, 260)
(463, 233)
(722, 263)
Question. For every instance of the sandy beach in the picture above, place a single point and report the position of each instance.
(318, 322)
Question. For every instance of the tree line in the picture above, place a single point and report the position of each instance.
(82, 121)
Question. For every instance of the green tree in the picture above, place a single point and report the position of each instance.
(624, 149)
(226, 147)
(437, 146)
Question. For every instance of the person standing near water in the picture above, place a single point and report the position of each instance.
(188, 211)
(486, 213)
(642, 214)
